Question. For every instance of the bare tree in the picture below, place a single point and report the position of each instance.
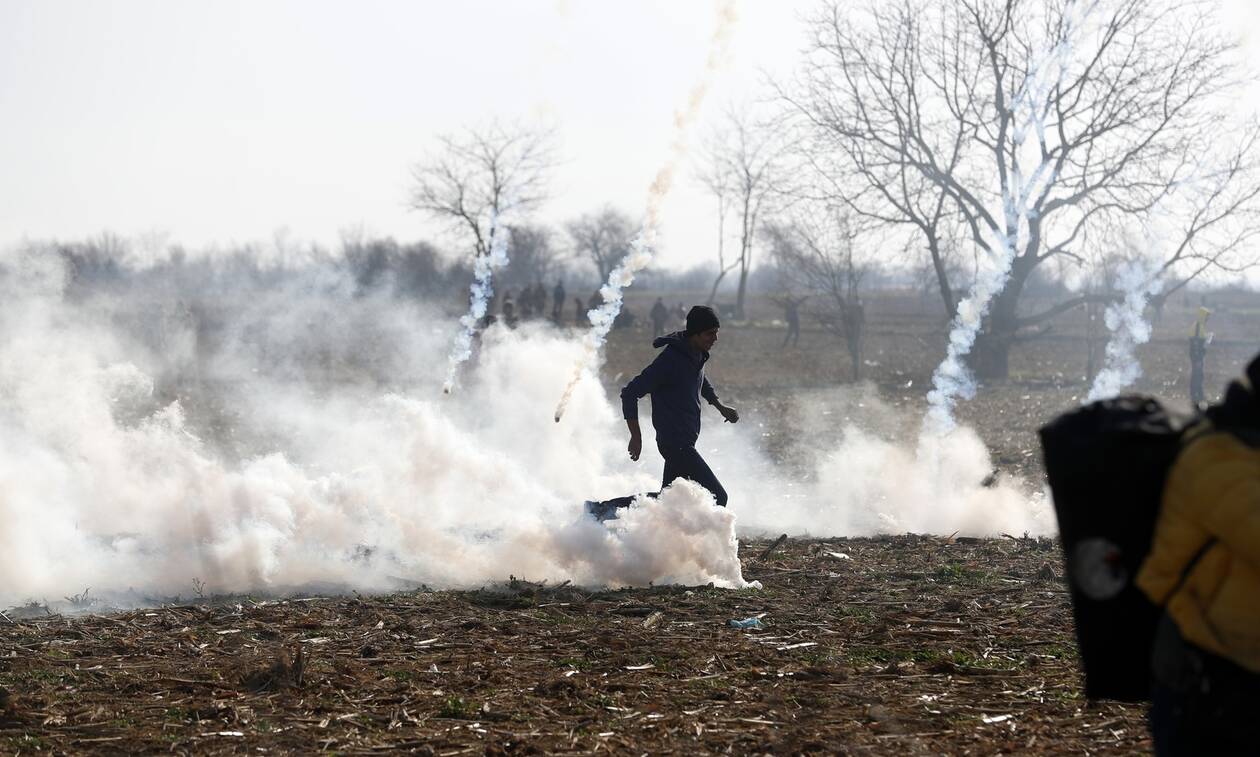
(604, 237)
(744, 171)
(482, 174)
(1035, 127)
(534, 255)
(820, 253)
(415, 268)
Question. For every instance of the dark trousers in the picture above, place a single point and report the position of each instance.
(793, 334)
(685, 462)
(1196, 382)
(1202, 704)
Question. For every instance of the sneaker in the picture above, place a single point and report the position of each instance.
(600, 511)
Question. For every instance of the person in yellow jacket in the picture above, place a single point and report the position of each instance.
(1204, 569)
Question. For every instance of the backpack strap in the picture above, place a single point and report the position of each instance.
(1185, 572)
(1199, 425)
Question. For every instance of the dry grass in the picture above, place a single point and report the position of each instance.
(905, 645)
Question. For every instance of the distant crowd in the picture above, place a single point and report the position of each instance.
(533, 302)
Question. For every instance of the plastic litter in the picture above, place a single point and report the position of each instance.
(746, 623)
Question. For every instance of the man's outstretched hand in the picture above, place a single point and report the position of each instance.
(636, 438)
(729, 414)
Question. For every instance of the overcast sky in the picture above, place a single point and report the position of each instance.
(226, 121)
(220, 122)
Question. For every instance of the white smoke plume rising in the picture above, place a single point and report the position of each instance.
(867, 479)
(643, 247)
(1141, 279)
(259, 439)
(479, 294)
(952, 379)
(263, 430)
(1139, 282)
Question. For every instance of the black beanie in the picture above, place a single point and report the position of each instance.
(700, 319)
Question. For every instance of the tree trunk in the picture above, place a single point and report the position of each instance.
(739, 297)
(716, 283)
(990, 356)
(1091, 341)
(942, 278)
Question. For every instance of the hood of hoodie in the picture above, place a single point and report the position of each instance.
(676, 338)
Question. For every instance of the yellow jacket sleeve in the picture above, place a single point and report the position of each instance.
(1216, 484)
(1212, 497)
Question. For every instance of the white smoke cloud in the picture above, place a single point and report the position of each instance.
(289, 434)
(680, 537)
(858, 472)
(281, 461)
(1139, 281)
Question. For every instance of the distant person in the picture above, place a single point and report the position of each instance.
(792, 314)
(540, 299)
(676, 382)
(1199, 339)
(558, 298)
(579, 313)
(625, 319)
(659, 315)
(855, 320)
(509, 312)
(1204, 570)
(527, 302)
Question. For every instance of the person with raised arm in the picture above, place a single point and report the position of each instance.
(676, 382)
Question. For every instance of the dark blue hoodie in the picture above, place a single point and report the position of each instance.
(676, 381)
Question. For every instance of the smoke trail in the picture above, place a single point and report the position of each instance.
(952, 379)
(266, 456)
(1140, 280)
(480, 292)
(1128, 330)
(217, 423)
(644, 245)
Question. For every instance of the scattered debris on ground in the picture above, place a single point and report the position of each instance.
(892, 645)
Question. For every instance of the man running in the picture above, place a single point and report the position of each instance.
(676, 382)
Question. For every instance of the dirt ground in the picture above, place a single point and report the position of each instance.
(900, 644)
(894, 645)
